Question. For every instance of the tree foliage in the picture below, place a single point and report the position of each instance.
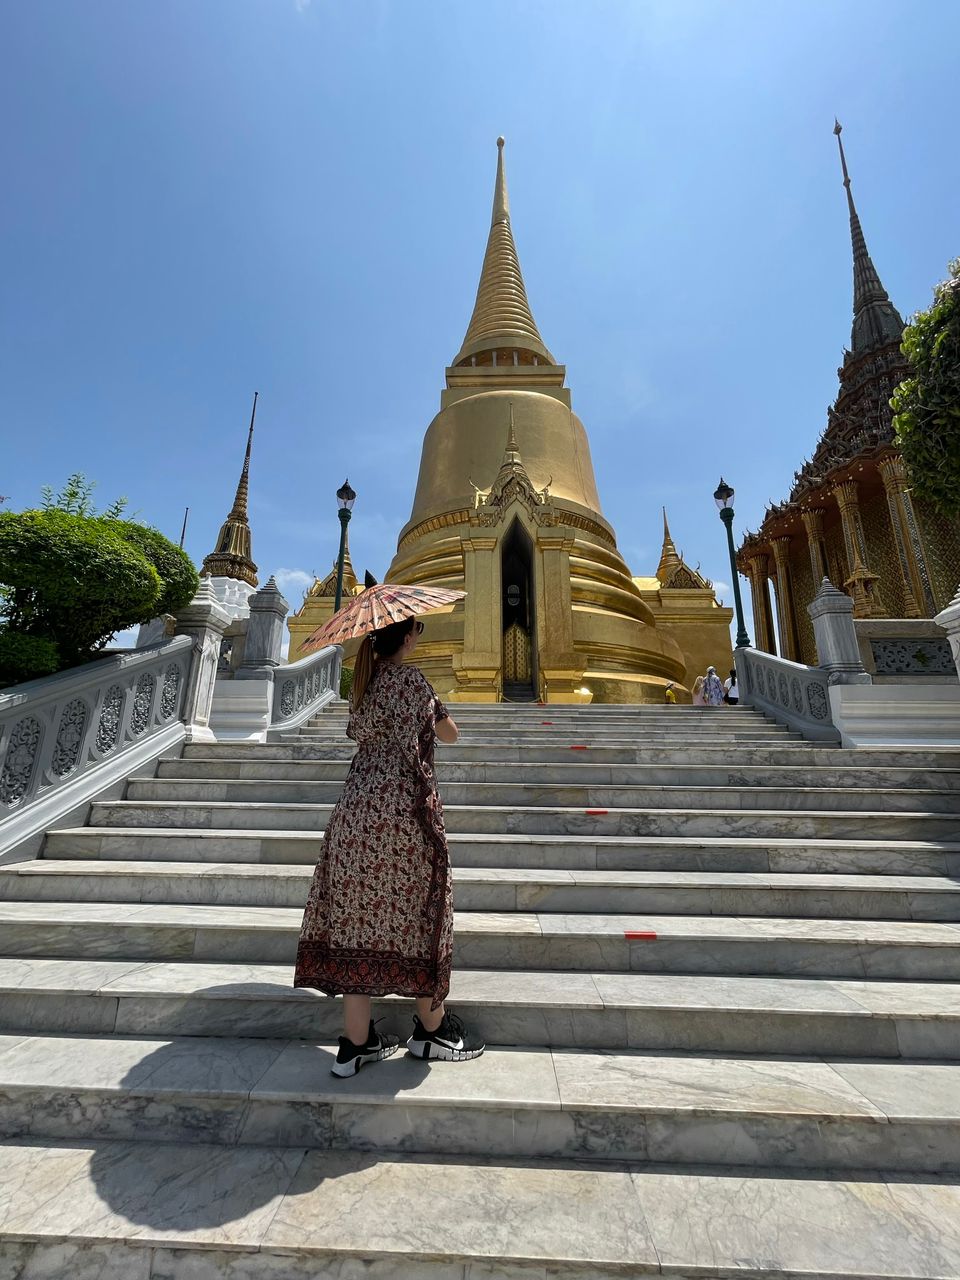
(177, 571)
(25, 657)
(76, 497)
(73, 579)
(927, 404)
(70, 577)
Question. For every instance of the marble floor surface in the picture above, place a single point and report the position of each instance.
(261, 1210)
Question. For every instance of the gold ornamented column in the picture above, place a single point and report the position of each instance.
(813, 524)
(906, 535)
(862, 584)
(758, 571)
(789, 646)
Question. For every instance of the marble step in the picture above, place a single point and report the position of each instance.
(202, 1211)
(532, 741)
(700, 1013)
(897, 949)
(582, 772)
(517, 1103)
(881, 897)
(572, 853)
(570, 795)
(790, 753)
(538, 717)
(546, 820)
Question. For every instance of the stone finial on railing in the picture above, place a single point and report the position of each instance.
(838, 651)
(265, 630)
(205, 620)
(949, 619)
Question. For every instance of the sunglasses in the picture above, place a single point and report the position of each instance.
(419, 628)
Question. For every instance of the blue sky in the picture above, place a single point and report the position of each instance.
(203, 198)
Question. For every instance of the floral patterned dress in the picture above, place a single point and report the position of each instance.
(379, 915)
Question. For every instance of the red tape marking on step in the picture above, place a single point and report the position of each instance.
(578, 748)
(640, 935)
(596, 813)
(546, 722)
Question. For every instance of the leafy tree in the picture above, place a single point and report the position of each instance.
(25, 657)
(177, 571)
(73, 580)
(76, 497)
(927, 403)
(70, 577)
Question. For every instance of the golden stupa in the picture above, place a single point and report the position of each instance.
(506, 508)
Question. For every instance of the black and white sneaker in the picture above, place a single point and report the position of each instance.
(351, 1057)
(451, 1042)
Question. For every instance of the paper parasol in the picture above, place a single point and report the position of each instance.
(378, 607)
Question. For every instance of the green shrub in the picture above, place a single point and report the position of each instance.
(346, 682)
(178, 574)
(25, 657)
(927, 404)
(73, 579)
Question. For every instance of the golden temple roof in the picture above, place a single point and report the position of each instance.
(670, 560)
(501, 315)
(232, 556)
(673, 571)
(328, 586)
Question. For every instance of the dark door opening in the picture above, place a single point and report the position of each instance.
(517, 616)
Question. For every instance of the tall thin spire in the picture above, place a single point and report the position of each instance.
(875, 318)
(670, 561)
(502, 319)
(232, 557)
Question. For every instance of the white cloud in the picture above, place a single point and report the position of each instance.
(723, 588)
(293, 580)
(302, 6)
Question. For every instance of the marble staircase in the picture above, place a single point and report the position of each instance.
(718, 969)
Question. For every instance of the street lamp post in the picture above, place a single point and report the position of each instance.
(723, 497)
(345, 500)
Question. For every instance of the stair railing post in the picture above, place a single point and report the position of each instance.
(838, 650)
(205, 620)
(949, 619)
(264, 639)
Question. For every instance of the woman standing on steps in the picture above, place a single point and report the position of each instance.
(379, 916)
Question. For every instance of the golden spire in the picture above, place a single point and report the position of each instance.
(670, 561)
(328, 586)
(875, 318)
(501, 315)
(232, 556)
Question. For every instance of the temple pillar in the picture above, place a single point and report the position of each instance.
(813, 524)
(906, 536)
(862, 584)
(477, 667)
(560, 667)
(786, 617)
(758, 571)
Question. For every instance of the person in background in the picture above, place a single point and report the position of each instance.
(712, 689)
(731, 692)
(698, 699)
(669, 696)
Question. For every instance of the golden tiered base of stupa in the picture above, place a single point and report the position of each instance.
(519, 529)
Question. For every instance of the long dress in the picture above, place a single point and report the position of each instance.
(379, 915)
(712, 691)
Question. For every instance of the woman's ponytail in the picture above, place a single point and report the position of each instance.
(377, 645)
(362, 671)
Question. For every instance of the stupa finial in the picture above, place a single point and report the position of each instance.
(875, 319)
(670, 560)
(232, 557)
(502, 320)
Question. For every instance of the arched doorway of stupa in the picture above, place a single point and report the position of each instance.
(518, 614)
